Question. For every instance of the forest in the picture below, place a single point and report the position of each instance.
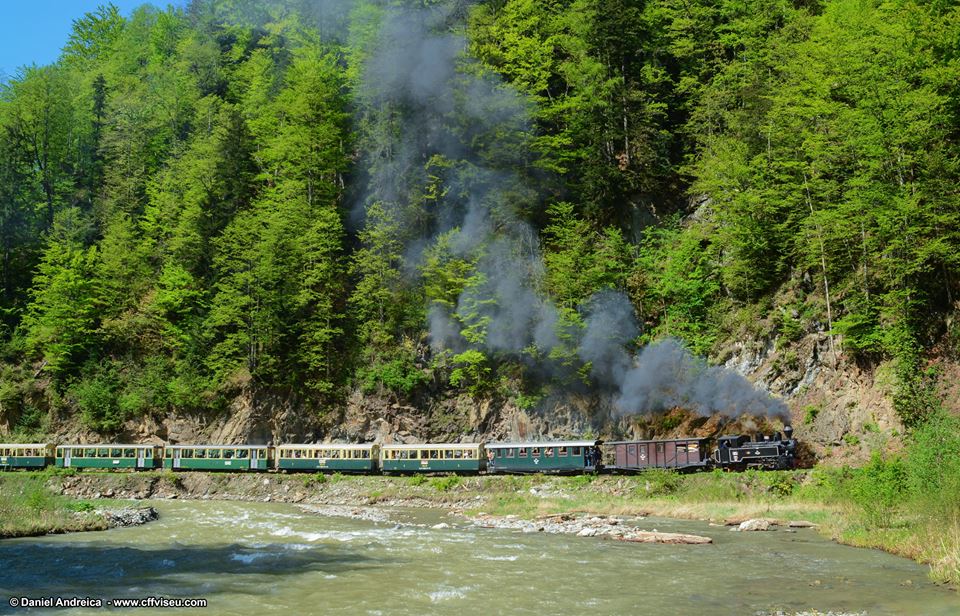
(500, 199)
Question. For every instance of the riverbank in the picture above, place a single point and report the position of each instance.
(813, 497)
(30, 506)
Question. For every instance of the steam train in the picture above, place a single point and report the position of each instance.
(734, 453)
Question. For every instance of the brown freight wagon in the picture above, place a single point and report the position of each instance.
(679, 454)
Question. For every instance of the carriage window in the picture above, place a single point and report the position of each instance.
(659, 447)
(536, 452)
(510, 453)
(103, 453)
(148, 453)
(548, 452)
(129, 453)
(681, 449)
(242, 453)
(200, 453)
(562, 453)
(523, 452)
(577, 451)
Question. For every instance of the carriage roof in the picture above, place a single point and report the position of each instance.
(206, 446)
(530, 444)
(431, 446)
(327, 446)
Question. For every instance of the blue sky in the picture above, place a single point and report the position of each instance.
(33, 31)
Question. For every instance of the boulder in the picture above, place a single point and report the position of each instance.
(755, 524)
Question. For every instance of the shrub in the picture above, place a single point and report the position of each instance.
(80, 506)
(315, 479)
(417, 480)
(660, 482)
(472, 372)
(932, 462)
(397, 375)
(445, 484)
(96, 396)
(879, 487)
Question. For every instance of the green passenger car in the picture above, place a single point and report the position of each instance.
(135, 457)
(431, 458)
(217, 457)
(332, 457)
(545, 457)
(34, 455)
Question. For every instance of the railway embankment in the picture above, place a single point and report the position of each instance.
(727, 499)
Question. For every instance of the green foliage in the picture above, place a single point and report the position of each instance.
(445, 484)
(879, 487)
(659, 482)
(398, 375)
(96, 398)
(417, 480)
(810, 413)
(80, 506)
(932, 464)
(472, 372)
(314, 480)
(675, 281)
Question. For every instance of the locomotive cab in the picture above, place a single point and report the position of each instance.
(727, 448)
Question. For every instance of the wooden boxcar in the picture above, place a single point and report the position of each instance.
(217, 457)
(108, 456)
(328, 457)
(545, 457)
(431, 458)
(33, 455)
(679, 454)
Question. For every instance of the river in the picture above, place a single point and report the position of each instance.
(263, 558)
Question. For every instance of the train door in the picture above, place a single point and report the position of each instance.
(176, 458)
(66, 457)
(254, 456)
(141, 461)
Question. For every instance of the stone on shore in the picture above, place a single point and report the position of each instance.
(658, 537)
(755, 524)
(128, 516)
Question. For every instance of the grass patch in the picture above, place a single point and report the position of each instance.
(28, 507)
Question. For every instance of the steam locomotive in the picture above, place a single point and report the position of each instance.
(733, 453)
